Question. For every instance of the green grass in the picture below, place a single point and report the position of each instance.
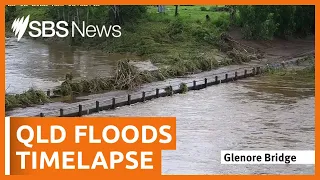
(189, 13)
(166, 39)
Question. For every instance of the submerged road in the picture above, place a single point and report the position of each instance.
(250, 114)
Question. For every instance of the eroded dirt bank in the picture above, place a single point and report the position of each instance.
(278, 49)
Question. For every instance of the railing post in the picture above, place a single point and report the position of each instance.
(205, 82)
(61, 112)
(258, 70)
(113, 103)
(80, 110)
(129, 99)
(97, 106)
(143, 96)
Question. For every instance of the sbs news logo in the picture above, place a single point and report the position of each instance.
(61, 29)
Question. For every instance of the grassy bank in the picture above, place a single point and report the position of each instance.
(192, 42)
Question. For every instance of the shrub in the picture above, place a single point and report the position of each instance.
(284, 16)
(198, 21)
(200, 32)
(222, 22)
(66, 88)
(257, 22)
(28, 98)
(264, 22)
(203, 9)
(175, 29)
(213, 8)
(304, 19)
(183, 88)
(168, 90)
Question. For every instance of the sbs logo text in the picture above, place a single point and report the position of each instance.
(61, 29)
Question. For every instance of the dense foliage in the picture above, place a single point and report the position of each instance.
(265, 22)
(91, 14)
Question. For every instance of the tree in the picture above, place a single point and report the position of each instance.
(232, 11)
(122, 14)
(282, 21)
(176, 11)
(10, 12)
(284, 17)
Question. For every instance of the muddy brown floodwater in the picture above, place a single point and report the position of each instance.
(43, 66)
(258, 113)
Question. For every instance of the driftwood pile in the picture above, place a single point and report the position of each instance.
(127, 76)
(237, 51)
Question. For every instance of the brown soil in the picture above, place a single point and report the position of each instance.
(278, 49)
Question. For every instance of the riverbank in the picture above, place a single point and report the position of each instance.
(178, 46)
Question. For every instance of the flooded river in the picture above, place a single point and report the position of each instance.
(258, 113)
(44, 66)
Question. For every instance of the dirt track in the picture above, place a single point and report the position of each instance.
(278, 49)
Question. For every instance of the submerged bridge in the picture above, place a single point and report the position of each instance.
(109, 102)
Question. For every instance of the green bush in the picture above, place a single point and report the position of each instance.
(66, 88)
(168, 90)
(175, 29)
(284, 17)
(257, 22)
(203, 8)
(264, 22)
(213, 8)
(204, 34)
(304, 19)
(183, 88)
(28, 98)
(222, 22)
(199, 32)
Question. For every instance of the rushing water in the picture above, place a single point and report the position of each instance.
(43, 66)
(252, 114)
(259, 113)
